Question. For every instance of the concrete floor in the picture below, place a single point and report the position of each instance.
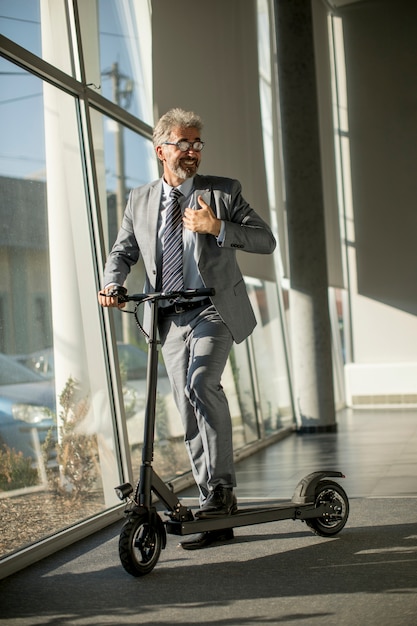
(274, 573)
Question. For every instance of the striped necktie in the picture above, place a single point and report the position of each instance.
(172, 277)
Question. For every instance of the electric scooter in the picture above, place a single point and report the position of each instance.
(318, 501)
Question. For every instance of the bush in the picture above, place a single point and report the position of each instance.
(16, 470)
(76, 452)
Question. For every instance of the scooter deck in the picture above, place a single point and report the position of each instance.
(249, 516)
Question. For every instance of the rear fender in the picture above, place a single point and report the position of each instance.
(305, 491)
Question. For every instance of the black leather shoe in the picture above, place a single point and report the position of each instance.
(202, 540)
(221, 501)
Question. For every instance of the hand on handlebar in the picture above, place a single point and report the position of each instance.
(112, 297)
(117, 296)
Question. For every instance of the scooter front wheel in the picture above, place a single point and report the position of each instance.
(332, 494)
(140, 544)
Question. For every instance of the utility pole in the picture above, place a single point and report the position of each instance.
(122, 89)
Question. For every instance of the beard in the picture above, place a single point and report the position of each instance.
(183, 170)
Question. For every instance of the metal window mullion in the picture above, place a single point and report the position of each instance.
(34, 64)
(56, 77)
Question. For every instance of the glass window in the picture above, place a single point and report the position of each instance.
(22, 152)
(57, 448)
(270, 360)
(241, 396)
(260, 394)
(117, 50)
(124, 160)
(20, 21)
(126, 55)
(41, 27)
(59, 406)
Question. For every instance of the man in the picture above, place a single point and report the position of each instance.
(197, 336)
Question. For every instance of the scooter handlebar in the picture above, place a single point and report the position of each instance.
(187, 294)
(193, 293)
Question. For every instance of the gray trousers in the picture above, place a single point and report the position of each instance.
(196, 345)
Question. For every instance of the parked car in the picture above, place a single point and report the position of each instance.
(27, 406)
(133, 362)
(41, 362)
(133, 368)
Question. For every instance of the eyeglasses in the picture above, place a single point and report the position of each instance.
(184, 146)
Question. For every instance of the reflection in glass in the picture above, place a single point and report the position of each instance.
(57, 463)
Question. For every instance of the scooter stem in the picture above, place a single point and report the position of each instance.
(143, 494)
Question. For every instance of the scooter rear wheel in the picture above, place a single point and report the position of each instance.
(140, 545)
(331, 493)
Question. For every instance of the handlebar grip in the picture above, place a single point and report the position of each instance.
(119, 292)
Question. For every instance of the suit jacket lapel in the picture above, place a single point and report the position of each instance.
(202, 187)
(154, 202)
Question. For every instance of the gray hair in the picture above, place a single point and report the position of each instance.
(175, 118)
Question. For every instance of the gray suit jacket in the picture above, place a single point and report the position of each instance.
(244, 230)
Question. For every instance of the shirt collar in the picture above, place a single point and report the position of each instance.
(185, 187)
